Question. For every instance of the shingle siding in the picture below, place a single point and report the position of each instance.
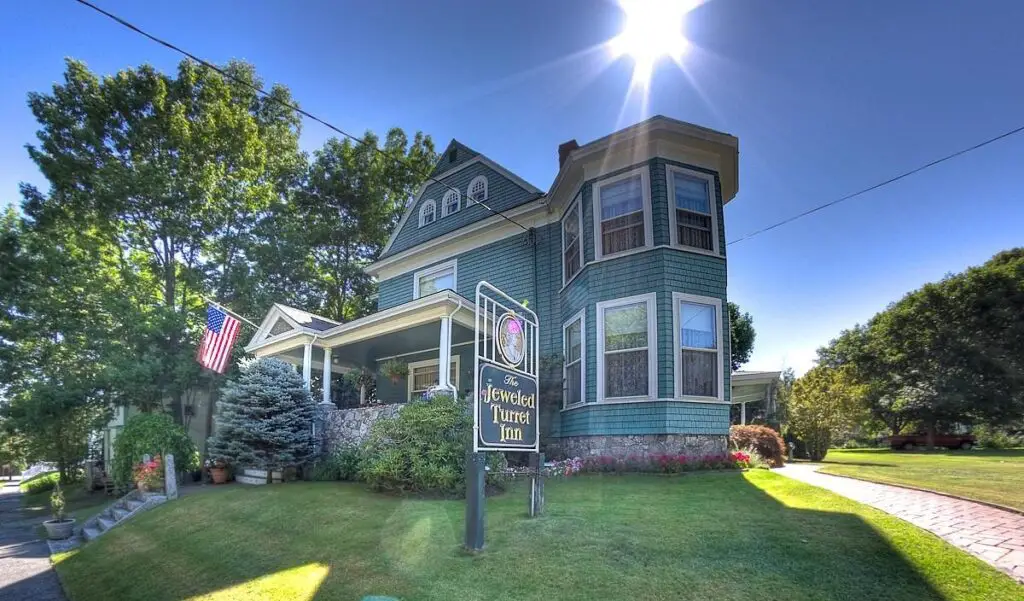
(524, 264)
(502, 195)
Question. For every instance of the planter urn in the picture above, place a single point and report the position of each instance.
(219, 475)
(59, 529)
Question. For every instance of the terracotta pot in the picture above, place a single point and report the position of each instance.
(219, 475)
(142, 486)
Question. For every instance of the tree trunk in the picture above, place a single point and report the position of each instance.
(930, 438)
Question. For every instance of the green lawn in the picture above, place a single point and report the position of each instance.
(720, 536)
(80, 504)
(993, 476)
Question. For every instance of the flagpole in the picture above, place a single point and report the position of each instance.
(229, 311)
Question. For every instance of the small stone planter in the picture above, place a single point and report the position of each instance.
(59, 529)
(219, 475)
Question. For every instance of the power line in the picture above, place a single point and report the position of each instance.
(289, 105)
(878, 185)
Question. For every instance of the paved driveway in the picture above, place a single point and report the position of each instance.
(994, 535)
(25, 570)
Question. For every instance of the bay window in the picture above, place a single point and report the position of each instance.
(575, 355)
(698, 346)
(622, 213)
(692, 211)
(627, 348)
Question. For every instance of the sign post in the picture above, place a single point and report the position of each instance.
(505, 403)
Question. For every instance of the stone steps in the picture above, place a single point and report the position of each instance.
(121, 510)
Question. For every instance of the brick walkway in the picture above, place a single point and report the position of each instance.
(994, 535)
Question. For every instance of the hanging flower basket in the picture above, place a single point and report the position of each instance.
(394, 370)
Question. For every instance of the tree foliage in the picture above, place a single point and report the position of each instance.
(264, 418)
(824, 404)
(741, 335)
(951, 352)
(151, 434)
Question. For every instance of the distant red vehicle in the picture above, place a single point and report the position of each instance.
(920, 439)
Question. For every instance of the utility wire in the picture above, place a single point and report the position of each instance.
(289, 105)
(878, 185)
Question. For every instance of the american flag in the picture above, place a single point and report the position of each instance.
(220, 334)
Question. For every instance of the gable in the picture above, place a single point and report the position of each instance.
(280, 327)
(454, 155)
(503, 192)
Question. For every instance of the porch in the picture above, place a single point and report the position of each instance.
(424, 333)
(756, 389)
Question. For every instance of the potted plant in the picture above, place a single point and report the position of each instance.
(394, 370)
(218, 470)
(147, 475)
(59, 527)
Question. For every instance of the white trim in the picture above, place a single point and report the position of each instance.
(677, 372)
(426, 350)
(651, 299)
(577, 204)
(580, 316)
(469, 190)
(416, 277)
(433, 207)
(428, 363)
(670, 170)
(444, 203)
(645, 189)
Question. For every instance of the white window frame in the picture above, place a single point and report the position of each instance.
(581, 317)
(429, 363)
(652, 346)
(423, 208)
(469, 190)
(575, 204)
(432, 270)
(645, 188)
(677, 372)
(712, 202)
(445, 211)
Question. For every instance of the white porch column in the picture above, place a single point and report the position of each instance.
(327, 376)
(743, 413)
(307, 364)
(444, 356)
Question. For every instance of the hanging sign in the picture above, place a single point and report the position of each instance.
(506, 406)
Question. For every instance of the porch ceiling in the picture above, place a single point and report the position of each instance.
(425, 337)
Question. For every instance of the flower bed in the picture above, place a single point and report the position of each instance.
(662, 464)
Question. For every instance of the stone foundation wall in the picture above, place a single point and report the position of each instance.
(346, 427)
(641, 445)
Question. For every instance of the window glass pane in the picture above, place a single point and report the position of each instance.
(625, 327)
(573, 342)
(626, 374)
(423, 378)
(430, 284)
(698, 326)
(700, 373)
(571, 228)
(573, 389)
(691, 193)
(622, 197)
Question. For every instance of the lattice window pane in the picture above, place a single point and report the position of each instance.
(700, 373)
(626, 374)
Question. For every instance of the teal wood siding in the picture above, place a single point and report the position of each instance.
(645, 418)
(395, 291)
(463, 154)
(502, 195)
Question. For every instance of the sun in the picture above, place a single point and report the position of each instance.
(653, 30)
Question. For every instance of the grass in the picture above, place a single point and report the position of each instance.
(722, 536)
(39, 483)
(992, 476)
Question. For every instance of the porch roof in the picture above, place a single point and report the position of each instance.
(752, 386)
(417, 320)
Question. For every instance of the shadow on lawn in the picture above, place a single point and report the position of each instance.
(706, 536)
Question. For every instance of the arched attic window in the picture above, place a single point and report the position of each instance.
(452, 203)
(428, 213)
(477, 191)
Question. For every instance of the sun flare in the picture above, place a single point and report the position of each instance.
(653, 30)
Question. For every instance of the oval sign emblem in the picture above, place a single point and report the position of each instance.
(511, 339)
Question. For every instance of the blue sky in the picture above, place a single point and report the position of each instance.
(825, 97)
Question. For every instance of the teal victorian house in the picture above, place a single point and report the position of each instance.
(623, 258)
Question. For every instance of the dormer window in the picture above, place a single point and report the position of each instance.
(452, 203)
(477, 191)
(428, 213)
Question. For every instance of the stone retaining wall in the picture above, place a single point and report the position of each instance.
(641, 445)
(347, 427)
